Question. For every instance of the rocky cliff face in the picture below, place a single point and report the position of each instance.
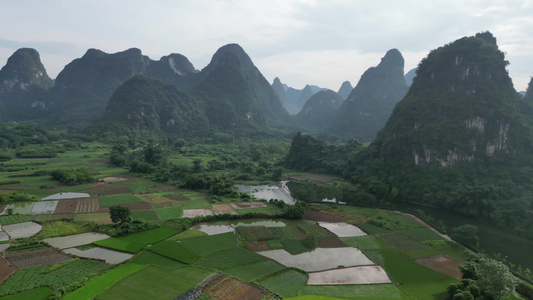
(461, 107)
(23, 83)
(370, 103)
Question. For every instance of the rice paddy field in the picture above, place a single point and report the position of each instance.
(341, 253)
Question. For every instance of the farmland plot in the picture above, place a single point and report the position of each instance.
(109, 256)
(191, 213)
(5, 270)
(320, 259)
(75, 240)
(443, 264)
(22, 208)
(41, 257)
(82, 205)
(223, 287)
(353, 275)
(342, 229)
(22, 230)
(219, 209)
(44, 207)
(69, 195)
(247, 205)
(212, 229)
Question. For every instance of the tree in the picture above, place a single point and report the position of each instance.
(495, 279)
(119, 214)
(467, 235)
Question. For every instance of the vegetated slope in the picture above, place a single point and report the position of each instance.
(23, 80)
(345, 90)
(149, 105)
(458, 139)
(236, 94)
(294, 99)
(320, 110)
(370, 103)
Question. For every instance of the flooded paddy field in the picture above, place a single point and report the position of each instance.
(75, 240)
(109, 256)
(353, 275)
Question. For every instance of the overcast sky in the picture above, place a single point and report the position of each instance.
(320, 42)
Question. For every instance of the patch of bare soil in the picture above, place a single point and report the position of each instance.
(245, 205)
(46, 256)
(330, 242)
(191, 213)
(177, 197)
(5, 270)
(81, 205)
(314, 215)
(223, 287)
(257, 246)
(219, 209)
(113, 179)
(443, 264)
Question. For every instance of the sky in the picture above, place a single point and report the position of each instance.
(319, 42)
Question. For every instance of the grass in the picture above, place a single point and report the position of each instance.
(102, 283)
(206, 245)
(195, 203)
(364, 291)
(437, 247)
(176, 251)
(155, 282)
(119, 199)
(36, 294)
(61, 228)
(283, 232)
(254, 271)
(365, 242)
(287, 283)
(229, 258)
(415, 279)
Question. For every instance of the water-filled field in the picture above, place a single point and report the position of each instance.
(75, 240)
(267, 192)
(22, 230)
(109, 256)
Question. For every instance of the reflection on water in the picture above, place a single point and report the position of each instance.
(267, 192)
(212, 229)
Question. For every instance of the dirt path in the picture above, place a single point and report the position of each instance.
(445, 236)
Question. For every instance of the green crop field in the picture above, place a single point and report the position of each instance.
(401, 242)
(255, 233)
(229, 258)
(119, 199)
(417, 280)
(175, 250)
(287, 283)
(102, 283)
(283, 232)
(364, 292)
(146, 215)
(365, 242)
(206, 245)
(420, 234)
(150, 237)
(312, 229)
(30, 278)
(187, 235)
(154, 259)
(254, 271)
(13, 219)
(120, 245)
(154, 282)
(35, 294)
(169, 213)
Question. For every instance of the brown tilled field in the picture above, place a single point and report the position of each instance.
(315, 215)
(257, 246)
(5, 270)
(81, 205)
(330, 242)
(223, 209)
(46, 256)
(177, 197)
(443, 264)
(224, 287)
